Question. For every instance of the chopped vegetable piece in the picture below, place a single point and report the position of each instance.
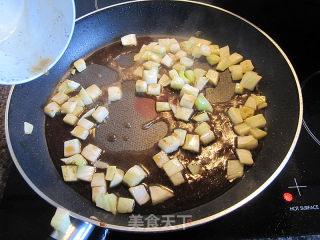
(190, 76)
(125, 205)
(100, 164)
(107, 202)
(194, 168)
(187, 62)
(167, 61)
(188, 89)
(61, 220)
(246, 66)
(97, 191)
(69, 173)
(114, 94)
(85, 173)
(179, 67)
(198, 72)
(201, 117)
(85, 123)
(159, 50)
(181, 74)
(80, 132)
(141, 86)
(129, 40)
(164, 80)
(236, 72)
(187, 46)
(235, 58)
(72, 147)
(234, 170)
(244, 156)
(100, 114)
(98, 180)
(205, 50)
(223, 64)
(68, 107)
(154, 89)
(177, 179)
(224, 51)
(175, 47)
(111, 171)
(250, 80)
(173, 73)
(183, 113)
(202, 104)
(65, 88)
(242, 129)
(196, 52)
(251, 103)
(80, 65)
(180, 54)
(177, 83)
(52, 109)
(117, 178)
(187, 100)
(91, 152)
(212, 76)
(246, 112)
(150, 64)
(238, 89)
(202, 128)
(181, 135)
(162, 106)
(134, 176)
(235, 115)
(257, 133)
(247, 142)
(94, 91)
(169, 144)
(160, 158)
(172, 167)
(150, 76)
(138, 72)
(70, 119)
(215, 49)
(85, 97)
(213, 59)
(28, 128)
(72, 84)
(76, 159)
(207, 137)
(160, 194)
(257, 121)
(140, 194)
(201, 83)
(192, 143)
(60, 98)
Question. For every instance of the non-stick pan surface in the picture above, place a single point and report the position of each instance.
(280, 85)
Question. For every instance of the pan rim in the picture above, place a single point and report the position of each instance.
(193, 223)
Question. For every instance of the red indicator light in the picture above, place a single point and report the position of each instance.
(288, 197)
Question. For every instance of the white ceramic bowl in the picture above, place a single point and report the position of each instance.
(33, 36)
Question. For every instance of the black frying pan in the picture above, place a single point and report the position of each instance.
(280, 85)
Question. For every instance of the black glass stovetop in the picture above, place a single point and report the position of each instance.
(289, 207)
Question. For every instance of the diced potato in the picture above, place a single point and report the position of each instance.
(201, 117)
(98, 180)
(180, 54)
(247, 142)
(80, 65)
(234, 169)
(251, 103)
(80, 132)
(160, 158)
(244, 156)
(187, 100)
(114, 93)
(111, 171)
(246, 112)
(235, 58)
(187, 62)
(160, 194)
(202, 104)
(242, 129)
(246, 66)
(236, 72)
(138, 72)
(150, 64)
(215, 49)
(91, 152)
(150, 76)
(257, 121)
(140, 194)
(98, 190)
(188, 89)
(223, 64)
(177, 179)
(94, 91)
(164, 80)
(159, 50)
(85, 97)
(85, 173)
(183, 113)
(154, 89)
(194, 168)
(213, 59)
(238, 89)
(235, 115)
(201, 83)
(172, 167)
(250, 80)
(196, 52)
(68, 107)
(107, 202)
(154, 57)
(202, 128)
(212, 76)
(259, 99)
(69, 173)
(167, 61)
(28, 128)
(257, 133)
(205, 50)
(207, 137)
(72, 147)
(169, 144)
(179, 67)
(76, 159)
(224, 51)
(181, 135)
(125, 205)
(173, 73)
(192, 143)
(100, 114)
(70, 119)
(129, 40)
(100, 164)
(174, 48)
(60, 98)
(85, 123)
(187, 46)
(134, 176)
(162, 106)
(51, 109)
(164, 42)
(117, 178)
(141, 86)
